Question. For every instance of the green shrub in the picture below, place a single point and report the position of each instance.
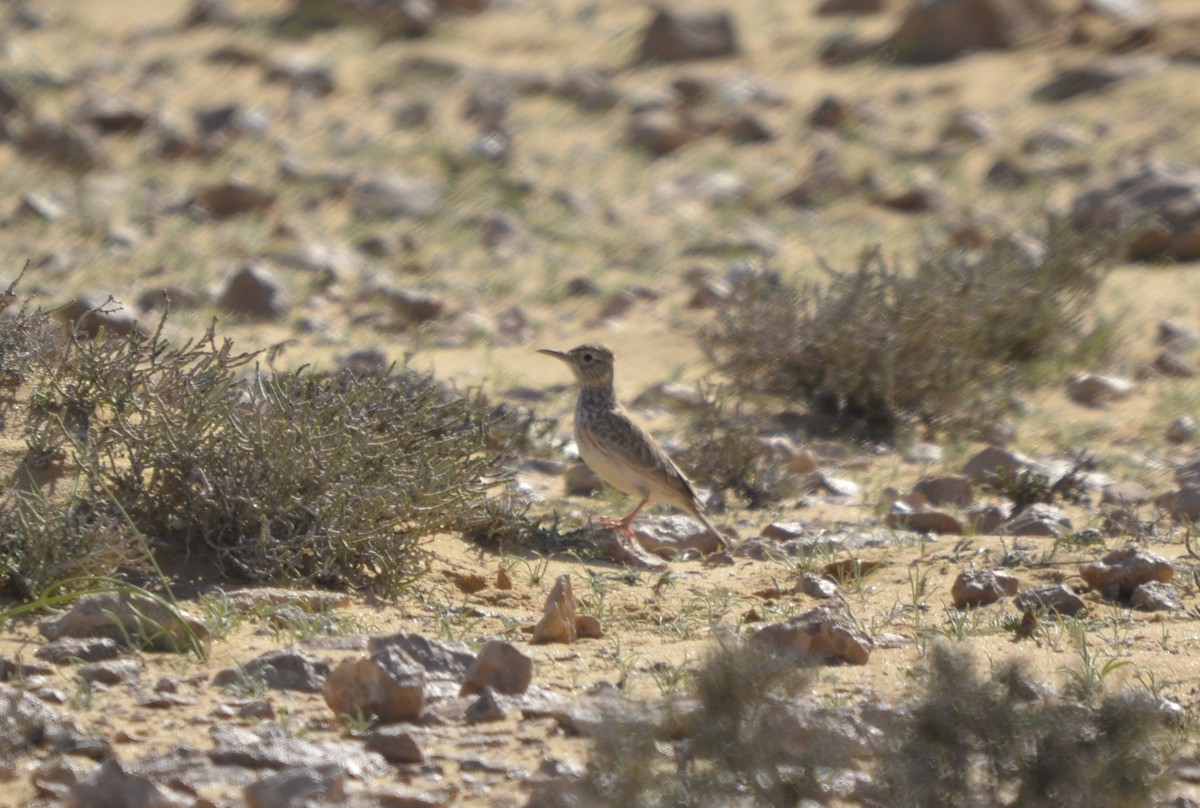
(884, 345)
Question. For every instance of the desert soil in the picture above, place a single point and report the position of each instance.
(635, 225)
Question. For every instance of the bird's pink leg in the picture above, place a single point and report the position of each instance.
(625, 523)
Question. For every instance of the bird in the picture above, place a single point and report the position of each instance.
(621, 452)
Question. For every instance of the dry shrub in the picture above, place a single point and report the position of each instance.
(885, 345)
(331, 480)
(976, 740)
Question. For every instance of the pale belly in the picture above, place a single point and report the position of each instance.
(622, 477)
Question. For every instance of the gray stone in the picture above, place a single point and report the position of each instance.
(77, 649)
(1097, 391)
(1158, 204)
(975, 587)
(1038, 519)
(298, 787)
(953, 489)
(253, 292)
(112, 787)
(1121, 571)
(484, 709)
(984, 466)
(1054, 598)
(110, 672)
(677, 35)
(397, 744)
(273, 747)
(436, 658)
(284, 669)
(940, 30)
(828, 633)
(397, 197)
(233, 198)
(122, 616)
(1156, 596)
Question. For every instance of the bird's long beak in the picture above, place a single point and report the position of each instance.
(556, 354)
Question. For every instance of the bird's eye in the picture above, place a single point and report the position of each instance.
(587, 357)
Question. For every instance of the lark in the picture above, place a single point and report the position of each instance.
(618, 450)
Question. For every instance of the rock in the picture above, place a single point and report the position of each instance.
(113, 116)
(581, 481)
(63, 146)
(677, 36)
(233, 197)
(590, 89)
(55, 777)
(1183, 505)
(923, 521)
(1127, 12)
(112, 787)
(999, 433)
(1173, 334)
(1054, 598)
(990, 464)
(986, 519)
(558, 616)
(1072, 81)
(413, 305)
(253, 292)
(1170, 363)
(973, 588)
(210, 12)
(836, 8)
(27, 672)
(484, 709)
(110, 671)
(436, 658)
(1124, 493)
(312, 601)
(1157, 204)
(968, 126)
(745, 127)
(1156, 596)
(831, 112)
(500, 667)
(397, 197)
(781, 451)
(821, 587)
(1007, 173)
(1182, 429)
(668, 536)
(300, 72)
(299, 786)
(1121, 571)
(71, 649)
(660, 131)
(127, 617)
(89, 318)
(26, 722)
(940, 30)
(1097, 391)
(384, 685)
(828, 633)
(274, 747)
(1038, 519)
(398, 745)
(284, 669)
(954, 489)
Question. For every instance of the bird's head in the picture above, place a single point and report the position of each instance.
(591, 364)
